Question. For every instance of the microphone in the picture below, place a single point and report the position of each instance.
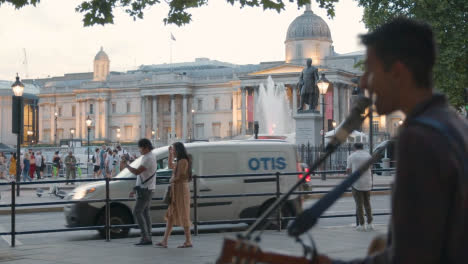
(351, 123)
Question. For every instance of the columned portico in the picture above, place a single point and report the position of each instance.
(173, 125)
(243, 89)
(97, 126)
(143, 117)
(52, 123)
(82, 119)
(184, 118)
(105, 129)
(155, 116)
(77, 119)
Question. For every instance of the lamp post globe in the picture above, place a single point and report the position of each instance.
(18, 89)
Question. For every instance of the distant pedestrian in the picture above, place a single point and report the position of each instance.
(3, 163)
(70, 165)
(40, 165)
(145, 184)
(123, 156)
(108, 164)
(178, 212)
(97, 163)
(56, 161)
(102, 157)
(32, 166)
(115, 162)
(12, 170)
(361, 188)
(26, 166)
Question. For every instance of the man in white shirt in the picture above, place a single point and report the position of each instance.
(361, 188)
(39, 165)
(145, 186)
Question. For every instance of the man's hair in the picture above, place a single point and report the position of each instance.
(358, 146)
(145, 143)
(406, 40)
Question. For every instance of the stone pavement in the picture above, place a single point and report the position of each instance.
(341, 242)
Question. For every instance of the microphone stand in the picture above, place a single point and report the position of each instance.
(247, 234)
(309, 217)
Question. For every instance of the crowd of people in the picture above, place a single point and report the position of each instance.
(107, 162)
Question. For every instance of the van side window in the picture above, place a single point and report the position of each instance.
(162, 163)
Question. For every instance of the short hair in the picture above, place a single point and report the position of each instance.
(358, 146)
(406, 40)
(145, 143)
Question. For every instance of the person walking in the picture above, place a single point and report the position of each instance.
(145, 186)
(70, 165)
(96, 162)
(178, 212)
(102, 159)
(56, 164)
(12, 170)
(32, 166)
(115, 162)
(39, 165)
(109, 167)
(26, 166)
(362, 187)
(121, 153)
(3, 164)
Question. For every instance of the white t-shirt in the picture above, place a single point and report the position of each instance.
(355, 160)
(38, 160)
(149, 162)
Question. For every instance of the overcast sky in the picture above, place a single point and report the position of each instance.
(56, 42)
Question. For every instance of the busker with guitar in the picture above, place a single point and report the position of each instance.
(430, 196)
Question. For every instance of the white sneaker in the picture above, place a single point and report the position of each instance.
(360, 228)
(370, 227)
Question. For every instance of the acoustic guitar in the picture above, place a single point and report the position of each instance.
(244, 252)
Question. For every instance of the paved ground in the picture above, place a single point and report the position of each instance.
(339, 242)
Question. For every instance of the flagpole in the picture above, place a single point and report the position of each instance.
(170, 53)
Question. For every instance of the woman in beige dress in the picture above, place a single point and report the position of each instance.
(178, 212)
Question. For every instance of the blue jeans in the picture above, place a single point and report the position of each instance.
(26, 174)
(103, 170)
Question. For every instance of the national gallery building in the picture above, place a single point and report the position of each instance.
(204, 99)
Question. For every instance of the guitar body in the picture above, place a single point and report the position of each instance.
(239, 251)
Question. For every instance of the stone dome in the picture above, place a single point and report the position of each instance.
(101, 55)
(308, 26)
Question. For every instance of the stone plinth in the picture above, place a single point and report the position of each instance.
(308, 126)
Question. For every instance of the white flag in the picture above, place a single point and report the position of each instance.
(172, 37)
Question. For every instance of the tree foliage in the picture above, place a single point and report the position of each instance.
(449, 19)
(100, 12)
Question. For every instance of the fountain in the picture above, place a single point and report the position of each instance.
(272, 110)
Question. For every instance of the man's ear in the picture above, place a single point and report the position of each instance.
(399, 73)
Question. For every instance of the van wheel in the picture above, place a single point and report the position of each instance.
(286, 211)
(118, 217)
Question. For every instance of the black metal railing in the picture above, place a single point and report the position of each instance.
(195, 198)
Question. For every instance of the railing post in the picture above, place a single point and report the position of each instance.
(107, 211)
(278, 194)
(195, 206)
(13, 213)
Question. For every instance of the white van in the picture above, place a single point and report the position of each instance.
(209, 158)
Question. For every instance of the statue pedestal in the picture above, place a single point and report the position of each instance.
(308, 126)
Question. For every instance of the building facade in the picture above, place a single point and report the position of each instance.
(204, 99)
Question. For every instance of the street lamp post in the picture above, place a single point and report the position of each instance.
(72, 133)
(88, 124)
(55, 135)
(323, 86)
(18, 89)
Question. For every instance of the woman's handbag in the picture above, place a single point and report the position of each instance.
(167, 196)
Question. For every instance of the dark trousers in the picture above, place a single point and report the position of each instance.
(142, 213)
(362, 199)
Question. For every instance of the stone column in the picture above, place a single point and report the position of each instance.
(184, 118)
(173, 127)
(243, 89)
(83, 117)
(143, 117)
(155, 116)
(294, 99)
(52, 123)
(97, 125)
(77, 119)
(40, 125)
(105, 127)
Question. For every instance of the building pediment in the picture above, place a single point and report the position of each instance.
(285, 68)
